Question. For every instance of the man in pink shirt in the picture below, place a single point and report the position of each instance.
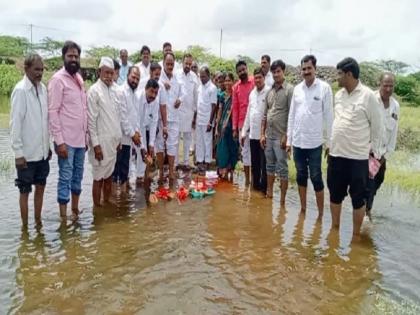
(240, 101)
(67, 115)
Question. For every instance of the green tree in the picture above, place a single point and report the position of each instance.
(97, 52)
(12, 46)
(50, 47)
(9, 76)
(199, 53)
(394, 66)
(407, 88)
(369, 74)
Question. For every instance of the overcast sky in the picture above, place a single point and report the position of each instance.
(331, 29)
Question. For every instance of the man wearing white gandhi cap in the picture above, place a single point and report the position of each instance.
(104, 130)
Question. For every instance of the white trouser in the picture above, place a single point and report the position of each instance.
(186, 143)
(246, 152)
(171, 141)
(203, 144)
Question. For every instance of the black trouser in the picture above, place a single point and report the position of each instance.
(373, 185)
(258, 166)
(122, 165)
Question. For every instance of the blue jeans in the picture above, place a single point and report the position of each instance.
(70, 174)
(308, 158)
(276, 159)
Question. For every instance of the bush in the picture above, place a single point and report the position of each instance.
(407, 88)
(369, 74)
(53, 64)
(9, 76)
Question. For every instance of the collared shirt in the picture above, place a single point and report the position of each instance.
(277, 110)
(391, 115)
(149, 118)
(255, 112)
(104, 115)
(311, 115)
(29, 121)
(67, 109)
(189, 105)
(357, 125)
(207, 98)
(144, 74)
(174, 93)
(122, 78)
(240, 101)
(131, 111)
(269, 81)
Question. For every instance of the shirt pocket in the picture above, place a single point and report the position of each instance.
(390, 123)
(315, 105)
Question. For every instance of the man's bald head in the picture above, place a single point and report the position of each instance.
(386, 87)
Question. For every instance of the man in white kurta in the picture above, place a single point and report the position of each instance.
(174, 94)
(104, 130)
(206, 107)
(390, 109)
(130, 125)
(155, 119)
(144, 66)
(149, 104)
(189, 81)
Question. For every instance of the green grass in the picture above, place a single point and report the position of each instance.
(6, 164)
(4, 120)
(409, 117)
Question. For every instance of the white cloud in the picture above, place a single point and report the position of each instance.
(364, 29)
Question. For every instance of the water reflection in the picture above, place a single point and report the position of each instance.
(234, 253)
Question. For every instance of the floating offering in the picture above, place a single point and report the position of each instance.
(201, 188)
(182, 193)
(164, 194)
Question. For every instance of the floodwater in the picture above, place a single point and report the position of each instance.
(233, 253)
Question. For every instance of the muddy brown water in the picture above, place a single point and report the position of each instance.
(233, 253)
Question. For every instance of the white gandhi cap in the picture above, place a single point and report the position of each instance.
(106, 62)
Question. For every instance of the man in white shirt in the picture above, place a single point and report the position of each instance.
(131, 111)
(265, 65)
(104, 127)
(144, 66)
(30, 137)
(356, 131)
(125, 65)
(155, 115)
(167, 48)
(203, 119)
(309, 126)
(174, 95)
(391, 113)
(149, 104)
(189, 81)
(252, 127)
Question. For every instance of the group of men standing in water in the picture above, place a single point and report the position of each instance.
(135, 115)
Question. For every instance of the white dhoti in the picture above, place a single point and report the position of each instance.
(171, 141)
(204, 144)
(104, 169)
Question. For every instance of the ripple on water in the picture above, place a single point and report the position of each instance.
(235, 253)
